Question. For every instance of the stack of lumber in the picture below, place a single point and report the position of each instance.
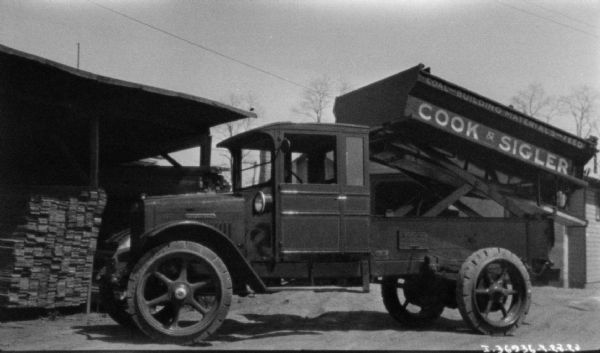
(46, 258)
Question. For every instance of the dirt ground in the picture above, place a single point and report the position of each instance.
(327, 320)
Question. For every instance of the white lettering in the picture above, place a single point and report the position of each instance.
(550, 161)
(525, 154)
(472, 130)
(422, 114)
(537, 158)
(445, 115)
(505, 143)
(457, 124)
(563, 166)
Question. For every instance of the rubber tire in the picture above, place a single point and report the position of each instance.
(116, 309)
(391, 301)
(170, 248)
(466, 282)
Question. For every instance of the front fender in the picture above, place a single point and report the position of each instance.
(240, 269)
(182, 223)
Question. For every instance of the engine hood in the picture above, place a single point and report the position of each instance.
(219, 210)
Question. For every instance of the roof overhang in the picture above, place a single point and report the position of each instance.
(135, 121)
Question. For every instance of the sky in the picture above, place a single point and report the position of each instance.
(493, 47)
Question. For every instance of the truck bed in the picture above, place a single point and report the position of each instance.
(399, 245)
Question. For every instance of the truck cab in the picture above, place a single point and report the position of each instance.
(306, 187)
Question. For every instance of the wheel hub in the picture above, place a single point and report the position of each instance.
(180, 291)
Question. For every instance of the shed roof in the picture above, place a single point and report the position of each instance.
(136, 121)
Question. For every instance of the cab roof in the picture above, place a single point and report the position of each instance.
(272, 129)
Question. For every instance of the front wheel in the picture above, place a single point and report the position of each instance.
(493, 291)
(179, 292)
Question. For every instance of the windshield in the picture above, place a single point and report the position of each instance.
(256, 167)
(256, 161)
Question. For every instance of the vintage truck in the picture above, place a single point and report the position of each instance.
(303, 213)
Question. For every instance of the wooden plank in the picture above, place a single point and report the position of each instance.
(47, 262)
(448, 200)
(466, 209)
(477, 183)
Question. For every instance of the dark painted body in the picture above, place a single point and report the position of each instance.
(315, 232)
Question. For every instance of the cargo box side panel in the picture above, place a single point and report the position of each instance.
(379, 102)
(449, 241)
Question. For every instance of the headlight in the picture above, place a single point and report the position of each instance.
(261, 203)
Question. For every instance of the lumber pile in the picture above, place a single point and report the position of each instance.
(46, 258)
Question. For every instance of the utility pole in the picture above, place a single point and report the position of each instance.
(78, 55)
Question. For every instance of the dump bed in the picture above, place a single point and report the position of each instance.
(451, 143)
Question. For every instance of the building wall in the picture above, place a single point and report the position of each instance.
(575, 242)
(592, 236)
(558, 255)
(569, 253)
(576, 257)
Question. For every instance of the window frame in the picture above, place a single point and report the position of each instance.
(305, 181)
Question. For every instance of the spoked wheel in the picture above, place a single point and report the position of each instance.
(180, 292)
(413, 301)
(493, 291)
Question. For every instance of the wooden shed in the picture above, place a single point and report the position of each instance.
(63, 131)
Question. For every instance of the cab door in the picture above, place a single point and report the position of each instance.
(309, 207)
(354, 193)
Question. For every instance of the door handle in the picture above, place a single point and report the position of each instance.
(342, 197)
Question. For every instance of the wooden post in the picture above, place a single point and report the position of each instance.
(365, 274)
(94, 183)
(205, 150)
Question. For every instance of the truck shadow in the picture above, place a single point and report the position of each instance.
(274, 325)
(256, 326)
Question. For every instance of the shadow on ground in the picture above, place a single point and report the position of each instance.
(279, 325)
(20, 314)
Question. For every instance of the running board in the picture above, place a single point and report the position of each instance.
(318, 289)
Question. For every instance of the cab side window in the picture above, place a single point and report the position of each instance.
(354, 161)
(311, 160)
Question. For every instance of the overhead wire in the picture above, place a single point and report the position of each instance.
(563, 15)
(548, 19)
(282, 78)
(200, 46)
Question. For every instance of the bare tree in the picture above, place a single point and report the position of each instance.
(316, 98)
(534, 101)
(581, 104)
(319, 95)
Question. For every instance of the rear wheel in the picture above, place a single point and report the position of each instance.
(493, 291)
(179, 292)
(413, 301)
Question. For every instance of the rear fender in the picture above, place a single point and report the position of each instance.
(241, 271)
